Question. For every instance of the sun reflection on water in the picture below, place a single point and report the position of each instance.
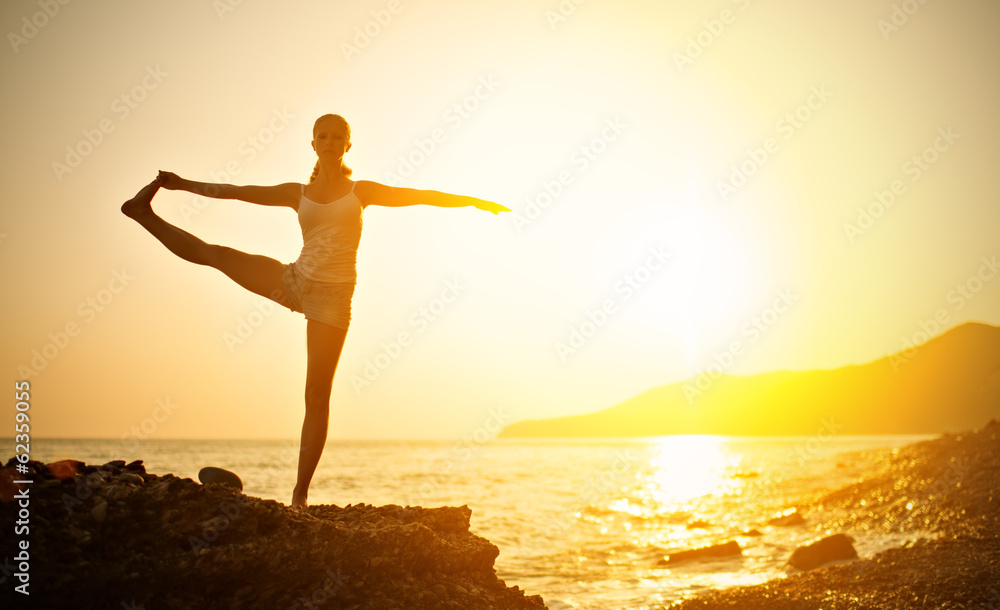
(688, 467)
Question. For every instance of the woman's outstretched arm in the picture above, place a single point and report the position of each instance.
(373, 193)
(279, 195)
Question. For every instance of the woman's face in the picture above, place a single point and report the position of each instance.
(331, 138)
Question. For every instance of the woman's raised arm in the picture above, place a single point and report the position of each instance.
(373, 193)
(278, 195)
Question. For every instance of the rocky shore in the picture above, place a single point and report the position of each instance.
(944, 494)
(116, 536)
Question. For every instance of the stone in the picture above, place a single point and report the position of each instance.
(214, 475)
(726, 549)
(244, 591)
(79, 535)
(788, 520)
(100, 511)
(64, 469)
(832, 548)
(128, 477)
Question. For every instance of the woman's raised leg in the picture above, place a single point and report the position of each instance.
(324, 344)
(258, 274)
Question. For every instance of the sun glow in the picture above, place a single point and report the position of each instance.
(718, 265)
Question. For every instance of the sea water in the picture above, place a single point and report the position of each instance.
(584, 523)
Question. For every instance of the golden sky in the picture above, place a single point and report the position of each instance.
(812, 180)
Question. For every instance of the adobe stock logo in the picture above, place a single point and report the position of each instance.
(363, 36)
(713, 30)
(420, 320)
(580, 160)
(899, 17)
(754, 328)
(122, 106)
(788, 125)
(456, 114)
(915, 168)
(39, 19)
(627, 287)
(87, 310)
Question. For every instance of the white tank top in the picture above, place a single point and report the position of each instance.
(331, 233)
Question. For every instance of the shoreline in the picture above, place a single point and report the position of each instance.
(948, 487)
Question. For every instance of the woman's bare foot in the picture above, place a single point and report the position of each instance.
(140, 205)
(298, 499)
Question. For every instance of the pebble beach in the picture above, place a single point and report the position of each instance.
(945, 493)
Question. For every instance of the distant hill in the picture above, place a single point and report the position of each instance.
(947, 384)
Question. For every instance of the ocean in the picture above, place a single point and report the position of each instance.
(584, 523)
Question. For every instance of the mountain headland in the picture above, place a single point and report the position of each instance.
(949, 383)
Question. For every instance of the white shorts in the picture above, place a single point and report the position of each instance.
(320, 301)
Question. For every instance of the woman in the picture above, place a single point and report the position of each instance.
(320, 283)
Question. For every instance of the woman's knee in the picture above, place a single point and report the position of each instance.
(318, 396)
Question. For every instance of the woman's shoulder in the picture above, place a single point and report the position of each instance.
(366, 191)
(370, 187)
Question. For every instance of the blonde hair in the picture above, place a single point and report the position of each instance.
(346, 171)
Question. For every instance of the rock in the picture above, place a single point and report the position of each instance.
(212, 475)
(128, 477)
(832, 548)
(698, 524)
(726, 549)
(64, 469)
(117, 492)
(440, 591)
(210, 546)
(100, 511)
(247, 590)
(788, 519)
(8, 488)
(752, 532)
(78, 535)
(426, 597)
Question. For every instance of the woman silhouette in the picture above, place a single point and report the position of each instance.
(320, 283)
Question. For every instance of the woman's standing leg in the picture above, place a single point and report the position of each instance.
(324, 344)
